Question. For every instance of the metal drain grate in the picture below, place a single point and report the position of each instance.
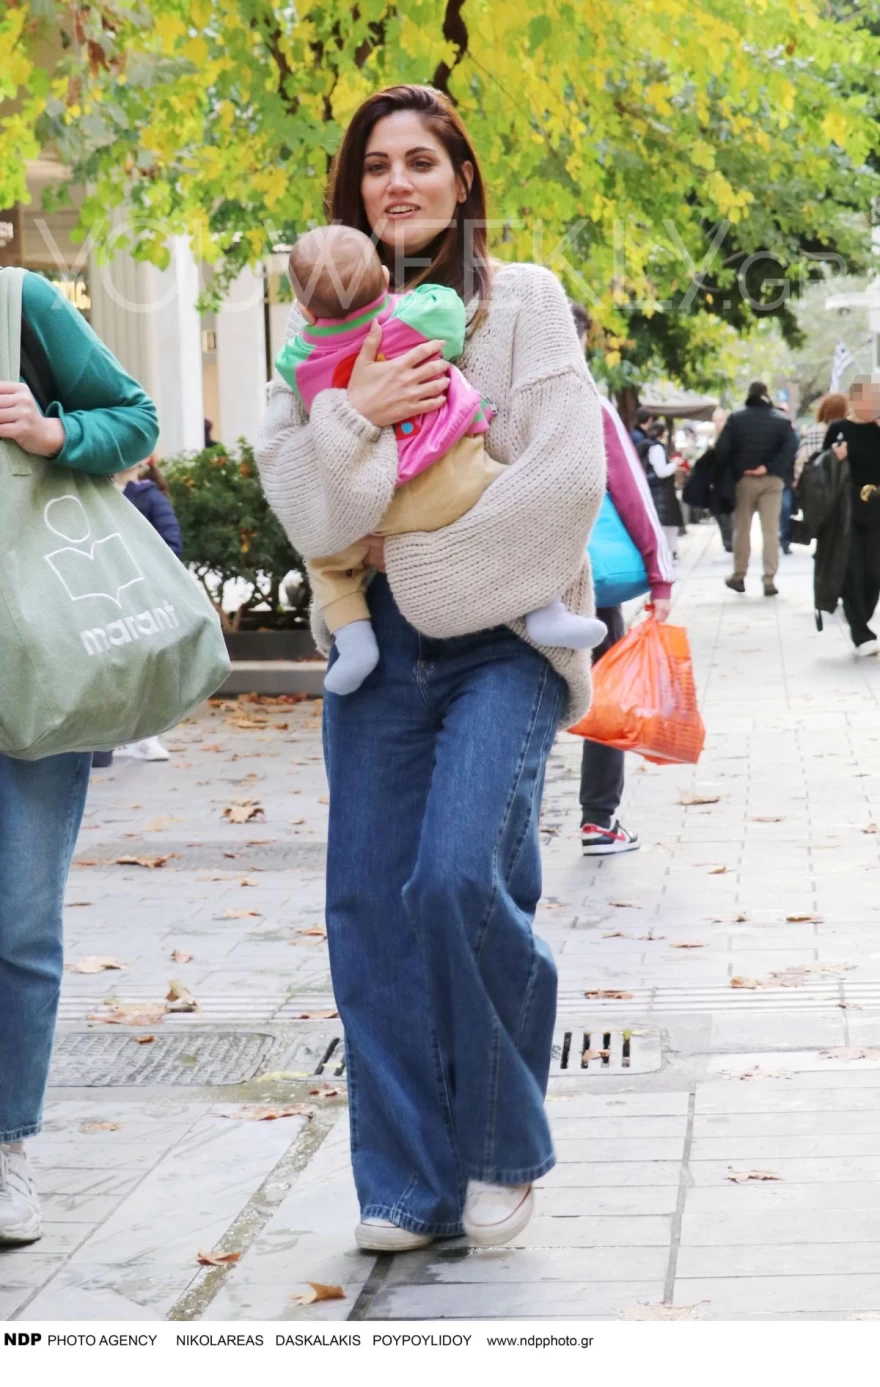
(113, 1060)
(581, 1049)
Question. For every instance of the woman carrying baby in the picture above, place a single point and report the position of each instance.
(436, 757)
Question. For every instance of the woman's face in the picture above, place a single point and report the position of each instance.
(865, 403)
(409, 186)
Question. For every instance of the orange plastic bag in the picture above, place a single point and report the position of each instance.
(644, 698)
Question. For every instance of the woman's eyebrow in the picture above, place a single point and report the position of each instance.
(380, 153)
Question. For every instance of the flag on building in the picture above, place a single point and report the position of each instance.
(843, 359)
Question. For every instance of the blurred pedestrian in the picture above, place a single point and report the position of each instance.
(77, 407)
(660, 471)
(856, 440)
(757, 445)
(603, 767)
(829, 408)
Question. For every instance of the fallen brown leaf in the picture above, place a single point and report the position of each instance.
(131, 1014)
(142, 861)
(217, 1259)
(740, 1177)
(73, 905)
(143, 1039)
(157, 825)
(617, 934)
(318, 1292)
(623, 905)
(180, 998)
(215, 746)
(243, 811)
(317, 930)
(266, 1113)
(718, 871)
(610, 993)
(247, 881)
(325, 1092)
(100, 1126)
(317, 1015)
(178, 956)
(324, 799)
(96, 963)
(804, 919)
(767, 818)
(689, 797)
(688, 944)
(241, 914)
(588, 1055)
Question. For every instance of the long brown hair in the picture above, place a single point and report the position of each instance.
(458, 256)
(832, 407)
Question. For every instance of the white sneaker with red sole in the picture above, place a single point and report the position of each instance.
(597, 841)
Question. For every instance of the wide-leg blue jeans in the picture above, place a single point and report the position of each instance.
(41, 806)
(436, 769)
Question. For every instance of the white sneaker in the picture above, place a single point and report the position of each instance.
(867, 648)
(21, 1220)
(494, 1214)
(379, 1235)
(150, 749)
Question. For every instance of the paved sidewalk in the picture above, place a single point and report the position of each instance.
(772, 879)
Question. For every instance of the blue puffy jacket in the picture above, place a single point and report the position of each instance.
(158, 510)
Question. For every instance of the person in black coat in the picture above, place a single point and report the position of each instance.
(757, 446)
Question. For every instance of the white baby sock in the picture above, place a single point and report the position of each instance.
(556, 625)
(358, 656)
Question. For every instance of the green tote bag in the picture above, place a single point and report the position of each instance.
(105, 637)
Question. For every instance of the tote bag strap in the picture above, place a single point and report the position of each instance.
(11, 281)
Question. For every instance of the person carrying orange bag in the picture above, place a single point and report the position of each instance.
(644, 697)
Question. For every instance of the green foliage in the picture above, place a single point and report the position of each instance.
(647, 151)
(229, 532)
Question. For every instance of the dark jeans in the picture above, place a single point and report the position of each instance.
(785, 518)
(436, 768)
(861, 588)
(602, 766)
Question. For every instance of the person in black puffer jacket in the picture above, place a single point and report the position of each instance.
(758, 446)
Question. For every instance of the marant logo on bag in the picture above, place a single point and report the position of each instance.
(105, 569)
(129, 628)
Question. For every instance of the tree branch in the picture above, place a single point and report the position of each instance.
(454, 31)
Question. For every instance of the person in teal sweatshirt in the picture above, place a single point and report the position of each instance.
(75, 405)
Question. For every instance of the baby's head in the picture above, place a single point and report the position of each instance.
(334, 271)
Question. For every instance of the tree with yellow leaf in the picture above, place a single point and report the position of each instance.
(663, 156)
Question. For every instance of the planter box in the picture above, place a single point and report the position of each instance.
(273, 662)
(276, 677)
(270, 645)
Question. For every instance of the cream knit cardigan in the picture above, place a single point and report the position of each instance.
(330, 479)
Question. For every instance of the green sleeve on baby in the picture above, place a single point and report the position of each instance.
(294, 352)
(437, 313)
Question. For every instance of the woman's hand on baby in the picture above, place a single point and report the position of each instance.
(375, 555)
(385, 392)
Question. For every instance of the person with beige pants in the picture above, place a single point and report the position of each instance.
(756, 450)
(761, 492)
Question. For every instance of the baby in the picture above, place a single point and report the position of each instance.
(443, 467)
